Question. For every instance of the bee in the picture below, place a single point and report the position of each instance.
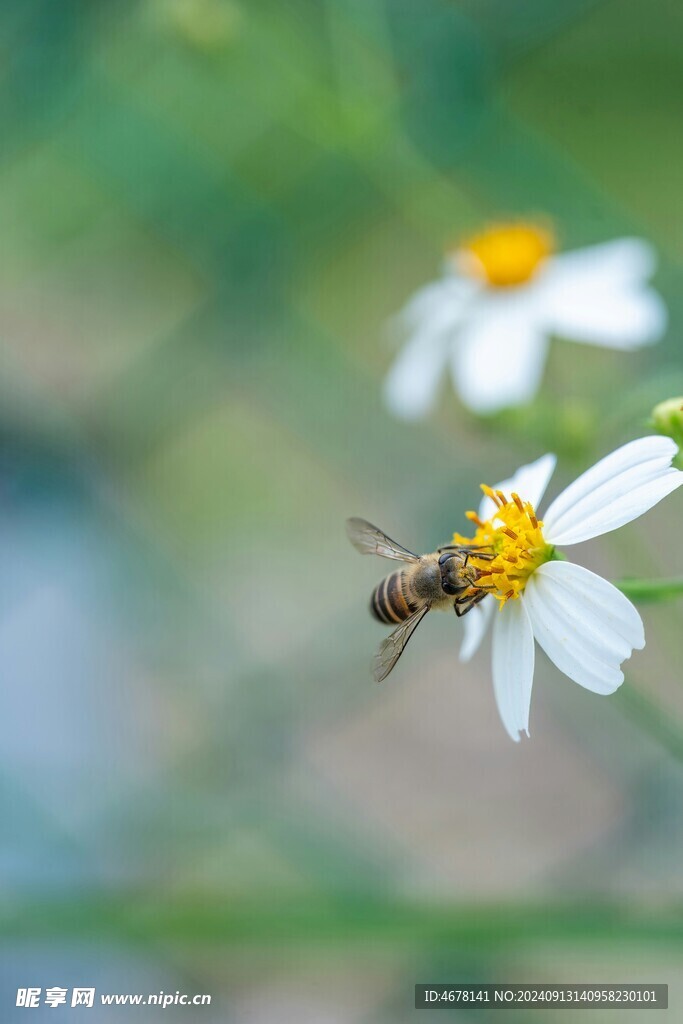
(443, 579)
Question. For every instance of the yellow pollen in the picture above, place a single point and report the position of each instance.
(515, 536)
(506, 254)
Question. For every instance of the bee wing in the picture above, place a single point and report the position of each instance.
(469, 549)
(369, 540)
(393, 647)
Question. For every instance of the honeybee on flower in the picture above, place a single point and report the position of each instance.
(584, 624)
(504, 292)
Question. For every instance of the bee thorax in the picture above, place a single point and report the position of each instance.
(425, 579)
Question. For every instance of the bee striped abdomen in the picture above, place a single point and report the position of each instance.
(390, 601)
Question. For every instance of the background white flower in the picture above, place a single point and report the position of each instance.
(502, 296)
(584, 624)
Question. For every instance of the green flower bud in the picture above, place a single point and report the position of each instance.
(667, 418)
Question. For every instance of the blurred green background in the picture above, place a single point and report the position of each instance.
(209, 209)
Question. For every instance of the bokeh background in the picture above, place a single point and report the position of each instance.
(209, 209)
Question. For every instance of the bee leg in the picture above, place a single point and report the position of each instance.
(475, 554)
(471, 549)
(463, 605)
(480, 552)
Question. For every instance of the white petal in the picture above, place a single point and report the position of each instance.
(412, 383)
(585, 625)
(627, 260)
(446, 297)
(500, 355)
(614, 491)
(624, 320)
(598, 295)
(529, 482)
(475, 624)
(513, 666)
(433, 314)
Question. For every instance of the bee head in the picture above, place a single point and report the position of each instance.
(456, 574)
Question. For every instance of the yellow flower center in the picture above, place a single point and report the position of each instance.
(506, 254)
(515, 536)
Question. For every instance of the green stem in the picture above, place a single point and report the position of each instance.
(652, 590)
(342, 920)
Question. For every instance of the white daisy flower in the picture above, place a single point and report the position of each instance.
(504, 293)
(584, 624)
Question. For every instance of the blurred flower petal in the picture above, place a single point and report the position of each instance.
(598, 295)
(437, 306)
(624, 261)
(412, 384)
(621, 319)
(499, 358)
